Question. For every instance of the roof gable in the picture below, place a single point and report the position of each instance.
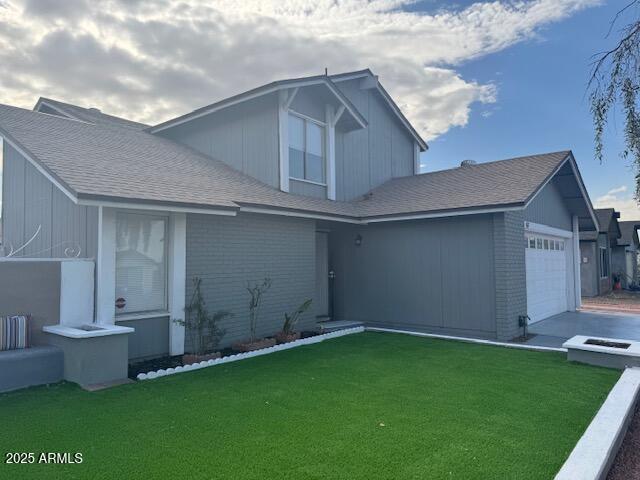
(91, 115)
(491, 186)
(369, 75)
(265, 90)
(629, 232)
(608, 221)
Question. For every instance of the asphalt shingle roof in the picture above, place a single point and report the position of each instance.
(494, 184)
(108, 161)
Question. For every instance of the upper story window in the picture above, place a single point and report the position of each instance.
(306, 149)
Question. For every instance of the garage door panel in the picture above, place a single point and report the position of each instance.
(546, 267)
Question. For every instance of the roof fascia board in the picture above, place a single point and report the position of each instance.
(155, 207)
(367, 220)
(452, 213)
(259, 92)
(39, 167)
(292, 213)
(583, 189)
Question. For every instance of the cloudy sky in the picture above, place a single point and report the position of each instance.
(449, 66)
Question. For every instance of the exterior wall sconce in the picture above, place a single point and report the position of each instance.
(358, 241)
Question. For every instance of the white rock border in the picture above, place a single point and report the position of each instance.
(596, 450)
(255, 353)
(521, 346)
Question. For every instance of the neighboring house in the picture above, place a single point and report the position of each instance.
(313, 182)
(624, 256)
(595, 251)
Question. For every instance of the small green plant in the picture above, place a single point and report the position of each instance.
(256, 291)
(203, 328)
(290, 321)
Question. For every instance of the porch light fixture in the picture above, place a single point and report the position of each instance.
(358, 241)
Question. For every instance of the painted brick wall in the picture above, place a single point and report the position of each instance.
(510, 273)
(226, 252)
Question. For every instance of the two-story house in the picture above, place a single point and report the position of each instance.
(313, 182)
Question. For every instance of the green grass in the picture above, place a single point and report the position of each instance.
(363, 406)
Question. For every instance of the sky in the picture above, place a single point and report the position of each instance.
(479, 80)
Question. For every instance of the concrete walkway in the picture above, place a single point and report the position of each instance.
(553, 331)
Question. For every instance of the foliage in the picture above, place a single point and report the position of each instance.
(615, 80)
(202, 327)
(256, 291)
(290, 321)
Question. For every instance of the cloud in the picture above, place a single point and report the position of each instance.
(149, 61)
(618, 199)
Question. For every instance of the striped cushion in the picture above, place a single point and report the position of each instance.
(14, 332)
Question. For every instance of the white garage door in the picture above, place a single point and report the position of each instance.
(546, 276)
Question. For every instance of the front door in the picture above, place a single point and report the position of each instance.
(322, 274)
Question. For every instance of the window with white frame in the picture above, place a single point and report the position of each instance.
(306, 149)
(141, 263)
(604, 262)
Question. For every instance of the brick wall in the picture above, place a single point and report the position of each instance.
(510, 272)
(226, 252)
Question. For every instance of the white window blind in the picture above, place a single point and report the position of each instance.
(306, 150)
(141, 263)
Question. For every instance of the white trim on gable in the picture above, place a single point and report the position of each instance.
(259, 92)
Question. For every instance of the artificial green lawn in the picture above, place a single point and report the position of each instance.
(363, 406)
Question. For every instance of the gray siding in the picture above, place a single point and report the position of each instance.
(604, 283)
(31, 287)
(432, 275)
(588, 269)
(510, 272)
(244, 136)
(306, 102)
(549, 208)
(369, 157)
(150, 339)
(30, 200)
(227, 252)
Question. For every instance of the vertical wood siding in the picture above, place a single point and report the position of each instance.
(549, 208)
(369, 157)
(30, 200)
(433, 275)
(244, 136)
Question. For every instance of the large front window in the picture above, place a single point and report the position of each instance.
(141, 263)
(306, 150)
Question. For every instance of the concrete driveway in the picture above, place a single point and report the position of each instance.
(553, 331)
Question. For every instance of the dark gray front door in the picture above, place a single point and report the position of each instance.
(322, 273)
